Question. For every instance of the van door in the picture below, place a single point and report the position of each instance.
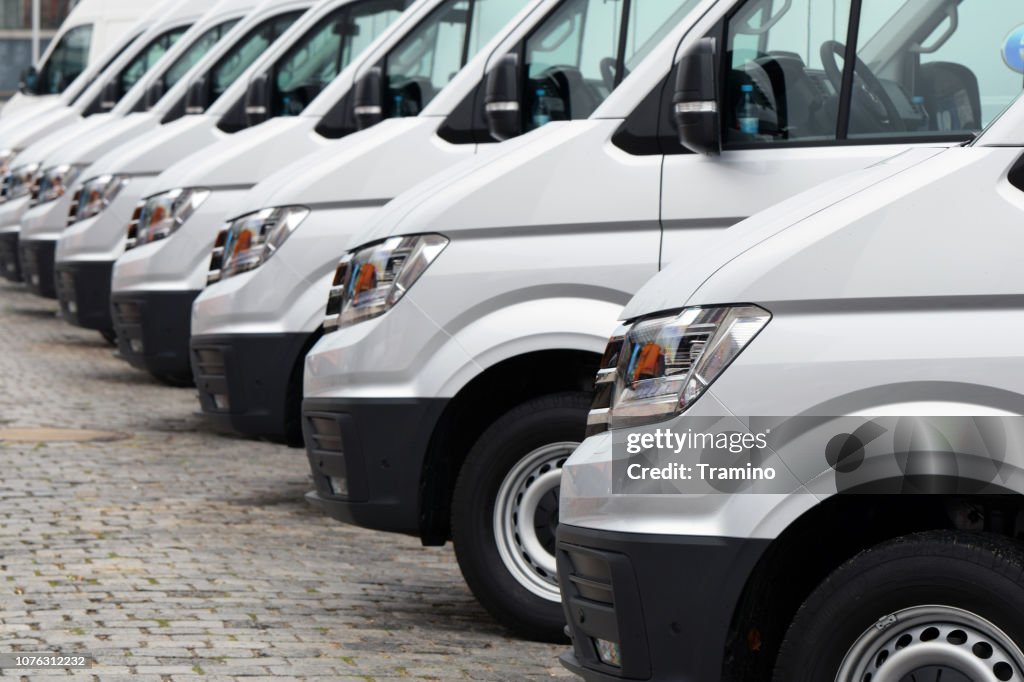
(799, 107)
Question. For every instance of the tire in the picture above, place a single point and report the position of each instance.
(512, 467)
(174, 380)
(109, 336)
(941, 605)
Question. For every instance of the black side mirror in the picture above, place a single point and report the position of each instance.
(695, 103)
(110, 95)
(154, 93)
(368, 107)
(197, 97)
(257, 100)
(28, 81)
(502, 102)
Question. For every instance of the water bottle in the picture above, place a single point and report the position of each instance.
(541, 112)
(749, 121)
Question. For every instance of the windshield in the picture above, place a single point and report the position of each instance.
(144, 61)
(327, 48)
(243, 53)
(67, 61)
(196, 51)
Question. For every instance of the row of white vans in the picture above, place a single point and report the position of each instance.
(189, 191)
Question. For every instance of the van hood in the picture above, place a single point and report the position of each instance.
(240, 159)
(45, 150)
(447, 202)
(85, 149)
(700, 278)
(155, 151)
(24, 133)
(350, 169)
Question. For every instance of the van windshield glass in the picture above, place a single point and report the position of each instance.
(144, 61)
(585, 48)
(436, 50)
(196, 51)
(325, 50)
(243, 53)
(66, 62)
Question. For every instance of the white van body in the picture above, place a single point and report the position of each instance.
(88, 246)
(343, 183)
(167, 275)
(92, 109)
(106, 22)
(893, 460)
(542, 244)
(43, 222)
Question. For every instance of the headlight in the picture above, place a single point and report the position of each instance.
(54, 182)
(371, 280)
(249, 240)
(161, 215)
(657, 368)
(20, 181)
(6, 157)
(95, 195)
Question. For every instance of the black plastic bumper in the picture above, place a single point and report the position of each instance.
(37, 257)
(10, 266)
(668, 601)
(83, 289)
(153, 331)
(248, 384)
(377, 447)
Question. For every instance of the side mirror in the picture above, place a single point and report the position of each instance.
(695, 103)
(196, 99)
(28, 81)
(257, 99)
(110, 95)
(502, 102)
(368, 107)
(154, 93)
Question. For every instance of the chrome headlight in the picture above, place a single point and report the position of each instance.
(20, 181)
(96, 195)
(249, 240)
(162, 214)
(657, 368)
(371, 280)
(54, 182)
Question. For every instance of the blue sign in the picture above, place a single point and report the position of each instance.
(1013, 51)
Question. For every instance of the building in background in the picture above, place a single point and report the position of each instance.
(16, 36)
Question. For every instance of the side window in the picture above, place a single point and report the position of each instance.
(67, 61)
(780, 83)
(243, 53)
(194, 53)
(941, 73)
(580, 53)
(321, 54)
(928, 70)
(150, 55)
(425, 61)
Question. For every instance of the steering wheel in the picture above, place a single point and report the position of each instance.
(870, 84)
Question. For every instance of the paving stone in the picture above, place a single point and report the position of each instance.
(131, 532)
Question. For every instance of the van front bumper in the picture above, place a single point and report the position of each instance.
(10, 266)
(366, 457)
(83, 290)
(37, 257)
(246, 385)
(667, 601)
(152, 330)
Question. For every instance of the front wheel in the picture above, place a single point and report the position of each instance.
(933, 607)
(505, 512)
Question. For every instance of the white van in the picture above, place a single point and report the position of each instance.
(211, 94)
(240, 320)
(188, 33)
(65, 128)
(85, 37)
(155, 283)
(472, 315)
(864, 520)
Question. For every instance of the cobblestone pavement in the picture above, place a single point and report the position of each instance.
(173, 552)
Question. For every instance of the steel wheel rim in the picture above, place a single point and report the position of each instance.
(924, 641)
(531, 488)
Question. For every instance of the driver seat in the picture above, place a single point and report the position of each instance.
(951, 96)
